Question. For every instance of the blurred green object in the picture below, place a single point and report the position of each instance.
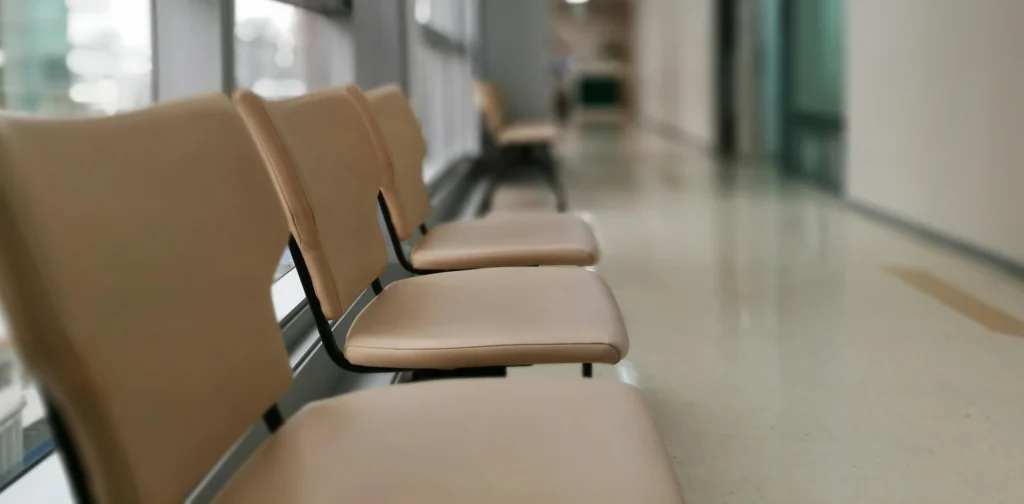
(600, 91)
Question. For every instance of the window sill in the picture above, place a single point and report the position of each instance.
(433, 171)
(46, 482)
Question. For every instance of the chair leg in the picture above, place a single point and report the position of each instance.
(588, 370)
(561, 200)
(540, 158)
(498, 166)
(549, 169)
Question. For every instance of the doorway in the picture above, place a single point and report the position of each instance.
(813, 105)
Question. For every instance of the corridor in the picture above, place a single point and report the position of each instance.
(783, 357)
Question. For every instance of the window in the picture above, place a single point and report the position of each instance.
(62, 57)
(267, 56)
(441, 42)
(283, 51)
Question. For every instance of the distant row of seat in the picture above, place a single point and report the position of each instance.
(136, 254)
(515, 144)
(487, 317)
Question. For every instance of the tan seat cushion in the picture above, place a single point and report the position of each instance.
(490, 317)
(508, 239)
(466, 441)
(528, 133)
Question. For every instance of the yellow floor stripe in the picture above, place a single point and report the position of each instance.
(959, 300)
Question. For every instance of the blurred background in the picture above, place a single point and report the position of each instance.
(752, 168)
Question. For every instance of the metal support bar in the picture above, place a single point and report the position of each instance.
(273, 418)
(323, 326)
(550, 169)
(396, 242)
(68, 453)
(326, 333)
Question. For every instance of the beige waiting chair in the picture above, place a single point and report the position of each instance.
(504, 133)
(517, 144)
(328, 170)
(506, 239)
(136, 254)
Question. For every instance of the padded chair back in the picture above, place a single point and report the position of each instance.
(136, 258)
(327, 169)
(488, 98)
(400, 138)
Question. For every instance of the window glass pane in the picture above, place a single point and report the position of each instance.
(284, 266)
(268, 59)
(75, 56)
(62, 57)
(441, 80)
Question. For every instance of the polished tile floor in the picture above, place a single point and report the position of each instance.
(783, 360)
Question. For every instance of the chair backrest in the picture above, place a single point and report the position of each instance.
(488, 99)
(327, 170)
(400, 138)
(136, 259)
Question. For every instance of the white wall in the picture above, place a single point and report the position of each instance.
(675, 58)
(935, 104)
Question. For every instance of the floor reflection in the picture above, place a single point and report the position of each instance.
(782, 362)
